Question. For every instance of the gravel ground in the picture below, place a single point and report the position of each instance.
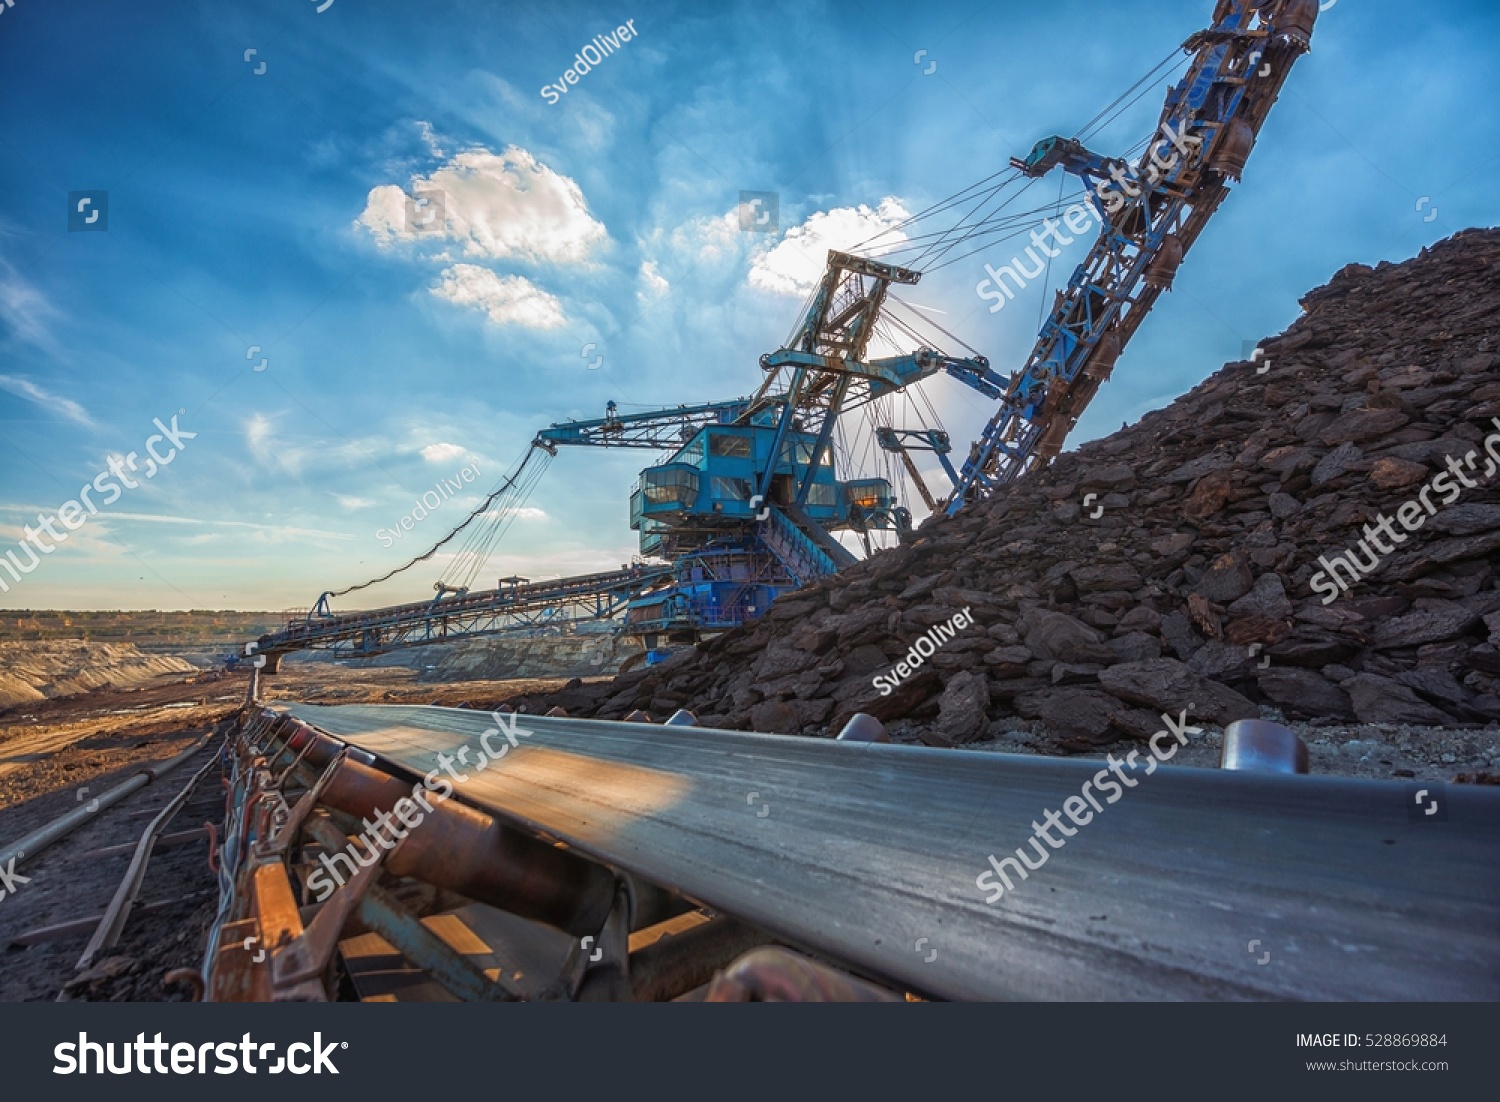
(1381, 751)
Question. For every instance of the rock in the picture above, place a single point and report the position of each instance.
(1438, 621)
(1166, 685)
(1438, 685)
(1114, 576)
(1466, 519)
(920, 588)
(1197, 468)
(781, 659)
(1142, 618)
(1359, 425)
(1389, 473)
(1267, 598)
(1111, 476)
(1227, 579)
(1340, 461)
(811, 713)
(1084, 715)
(1064, 674)
(1287, 461)
(1257, 629)
(1283, 505)
(1223, 661)
(1177, 631)
(1304, 694)
(1209, 495)
(1060, 637)
(963, 707)
(1004, 634)
(776, 717)
(1205, 616)
(1005, 662)
(867, 659)
(1381, 700)
(1134, 646)
(1314, 650)
(908, 701)
(1174, 544)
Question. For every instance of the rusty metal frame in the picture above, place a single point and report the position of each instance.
(473, 854)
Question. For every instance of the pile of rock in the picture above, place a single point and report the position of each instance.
(1193, 588)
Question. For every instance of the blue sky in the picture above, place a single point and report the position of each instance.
(264, 209)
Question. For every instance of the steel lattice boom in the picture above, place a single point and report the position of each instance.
(1151, 215)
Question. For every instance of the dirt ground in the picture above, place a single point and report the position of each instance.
(56, 754)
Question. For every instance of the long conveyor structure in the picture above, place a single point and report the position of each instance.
(592, 859)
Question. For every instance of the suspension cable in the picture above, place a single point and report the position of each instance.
(485, 504)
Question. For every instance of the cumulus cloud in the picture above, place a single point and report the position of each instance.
(794, 265)
(442, 453)
(501, 206)
(53, 403)
(505, 300)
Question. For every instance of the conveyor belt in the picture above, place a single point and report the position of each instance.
(859, 851)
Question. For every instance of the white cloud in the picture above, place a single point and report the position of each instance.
(503, 206)
(429, 139)
(271, 450)
(25, 310)
(349, 502)
(525, 512)
(710, 241)
(795, 264)
(505, 300)
(259, 437)
(442, 453)
(53, 403)
(271, 529)
(655, 283)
